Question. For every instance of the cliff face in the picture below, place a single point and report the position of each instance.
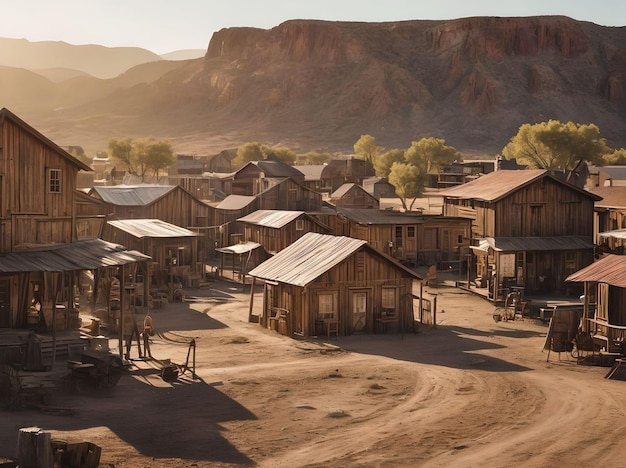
(472, 81)
(316, 84)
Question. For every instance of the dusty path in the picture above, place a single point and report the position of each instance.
(471, 392)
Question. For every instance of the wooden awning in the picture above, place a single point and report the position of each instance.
(81, 255)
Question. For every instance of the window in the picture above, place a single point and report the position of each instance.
(299, 225)
(410, 231)
(327, 306)
(388, 298)
(54, 179)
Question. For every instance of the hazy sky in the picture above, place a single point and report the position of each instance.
(167, 25)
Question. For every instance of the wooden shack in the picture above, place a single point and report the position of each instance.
(411, 237)
(324, 284)
(341, 171)
(530, 229)
(604, 313)
(44, 242)
(353, 196)
(173, 249)
(277, 229)
(258, 176)
(169, 203)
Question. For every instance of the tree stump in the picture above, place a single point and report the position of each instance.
(34, 448)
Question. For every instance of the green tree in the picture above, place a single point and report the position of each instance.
(317, 158)
(142, 157)
(408, 181)
(429, 154)
(616, 158)
(366, 148)
(286, 155)
(383, 163)
(556, 146)
(251, 151)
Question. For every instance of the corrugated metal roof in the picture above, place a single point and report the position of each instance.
(530, 244)
(81, 255)
(341, 191)
(610, 269)
(133, 195)
(273, 168)
(235, 202)
(141, 228)
(307, 258)
(242, 248)
(271, 218)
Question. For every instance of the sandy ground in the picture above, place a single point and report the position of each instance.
(470, 393)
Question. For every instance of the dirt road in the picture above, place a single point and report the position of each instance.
(470, 393)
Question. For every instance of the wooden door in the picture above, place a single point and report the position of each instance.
(359, 306)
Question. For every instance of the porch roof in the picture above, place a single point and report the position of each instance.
(81, 255)
(615, 234)
(533, 244)
(242, 248)
(610, 269)
(151, 228)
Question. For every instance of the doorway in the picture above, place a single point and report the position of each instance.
(359, 308)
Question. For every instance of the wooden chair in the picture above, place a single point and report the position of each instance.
(332, 326)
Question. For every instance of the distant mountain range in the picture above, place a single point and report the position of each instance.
(320, 85)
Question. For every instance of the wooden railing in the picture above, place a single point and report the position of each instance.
(611, 336)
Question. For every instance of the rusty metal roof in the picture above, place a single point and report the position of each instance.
(311, 256)
(81, 255)
(271, 218)
(536, 244)
(497, 185)
(132, 195)
(141, 228)
(612, 197)
(610, 269)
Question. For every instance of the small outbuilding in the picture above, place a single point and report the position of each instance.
(323, 285)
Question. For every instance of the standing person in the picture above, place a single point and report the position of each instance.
(148, 331)
(129, 342)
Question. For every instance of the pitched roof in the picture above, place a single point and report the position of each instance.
(610, 269)
(271, 218)
(132, 195)
(311, 256)
(7, 114)
(275, 168)
(307, 258)
(80, 255)
(614, 172)
(497, 185)
(311, 171)
(235, 202)
(141, 228)
(612, 197)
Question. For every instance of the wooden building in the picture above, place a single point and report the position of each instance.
(313, 177)
(44, 242)
(258, 176)
(325, 284)
(169, 203)
(287, 195)
(173, 249)
(411, 238)
(529, 229)
(277, 229)
(353, 196)
(346, 171)
(379, 187)
(604, 313)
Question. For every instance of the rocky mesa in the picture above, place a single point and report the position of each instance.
(317, 84)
